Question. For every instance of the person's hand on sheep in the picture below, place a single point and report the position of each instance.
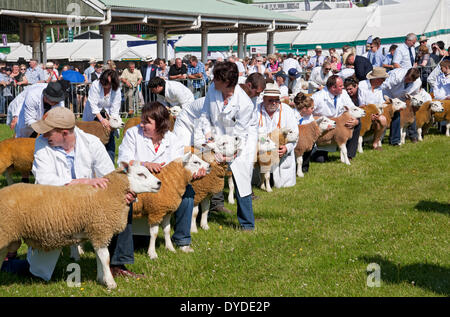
(282, 150)
(13, 123)
(153, 167)
(130, 197)
(201, 173)
(351, 123)
(95, 182)
(221, 158)
(105, 124)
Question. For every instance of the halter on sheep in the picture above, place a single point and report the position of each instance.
(51, 217)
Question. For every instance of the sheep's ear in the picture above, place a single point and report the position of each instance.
(318, 121)
(125, 166)
(387, 99)
(346, 108)
(408, 96)
(186, 158)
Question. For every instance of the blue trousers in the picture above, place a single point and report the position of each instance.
(111, 146)
(121, 248)
(244, 210)
(183, 218)
(394, 134)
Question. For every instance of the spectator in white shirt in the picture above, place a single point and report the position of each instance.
(319, 77)
(318, 59)
(405, 54)
(280, 79)
(441, 86)
(291, 62)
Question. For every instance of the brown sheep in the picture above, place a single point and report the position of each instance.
(51, 217)
(369, 127)
(158, 208)
(444, 116)
(424, 116)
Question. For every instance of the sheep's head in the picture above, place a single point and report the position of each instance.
(290, 135)
(193, 163)
(116, 122)
(418, 99)
(175, 110)
(397, 104)
(436, 106)
(140, 178)
(265, 144)
(355, 112)
(226, 145)
(325, 124)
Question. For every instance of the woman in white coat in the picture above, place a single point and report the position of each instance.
(229, 110)
(104, 94)
(273, 114)
(152, 144)
(171, 92)
(186, 121)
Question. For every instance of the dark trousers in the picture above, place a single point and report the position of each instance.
(411, 131)
(217, 200)
(306, 159)
(121, 248)
(183, 218)
(352, 144)
(111, 146)
(394, 133)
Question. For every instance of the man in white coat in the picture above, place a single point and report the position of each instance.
(229, 110)
(64, 156)
(170, 92)
(273, 114)
(38, 100)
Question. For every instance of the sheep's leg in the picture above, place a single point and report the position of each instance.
(76, 251)
(194, 220)
(166, 229)
(153, 234)
(267, 180)
(8, 177)
(3, 253)
(231, 192)
(344, 157)
(419, 132)
(299, 166)
(402, 136)
(205, 211)
(263, 182)
(104, 275)
(447, 131)
(360, 144)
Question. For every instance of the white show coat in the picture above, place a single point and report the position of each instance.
(283, 173)
(368, 96)
(441, 89)
(32, 110)
(290, 63)
(237, 118)
(97, 101)
(186, 121)
(176, 94)
(135, 146)
(16, 105)
(317, 79)
(50, 167)
(394, 85)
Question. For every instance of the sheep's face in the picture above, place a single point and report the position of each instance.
(116, 122)
(355, 112)
(325, 124)
(436, 106)
(290, 135)
(226, 145)
(175, 110)
(140, 178)
(265, 144)
(193, 163)
(397, 104)
(418, 99)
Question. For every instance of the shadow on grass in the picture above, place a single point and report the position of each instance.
(431, 277)
(433, 206)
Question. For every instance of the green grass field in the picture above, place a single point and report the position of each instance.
(391, 208)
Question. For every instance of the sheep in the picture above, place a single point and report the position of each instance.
(269, 158)
(424, 117)
(341, 133)
(158, 208)
(444, 116)
(51, 217)
(17, 154)
(308, 135)
(367, 125)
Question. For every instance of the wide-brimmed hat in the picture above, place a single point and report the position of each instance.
(377, 72)
(58, 117)
(318, 48)
(49, 65)
(272, 90)
(423, 38)
(54, 92)
(148, 59)
(92, 61)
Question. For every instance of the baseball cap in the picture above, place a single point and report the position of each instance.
(58, 117)
(293, 72)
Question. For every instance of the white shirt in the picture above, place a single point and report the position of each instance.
(16, 105)
(176, 94)
(313, 61)
(284, 90)
(368, 96)
(291, 63)
(254, 69)
(241, 68)
(186, 121)
(317, 79)
(402, 57)
(324, 103)
(97, 101)
(394, 85)
(441, 89)
(306, 119)
(346, 72)
(32, 110)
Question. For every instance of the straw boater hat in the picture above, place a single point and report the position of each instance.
(423, 38)
(149, 59)
(318, 48)
(377, 72)
(272, 90)
(92, 61)
(49, 65)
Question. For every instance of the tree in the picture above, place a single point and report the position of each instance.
(245, 1)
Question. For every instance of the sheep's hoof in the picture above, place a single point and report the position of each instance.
(269, 190)
(231, 201)
(204, 226)
(263, 187)
(109, 284)
(194, 230)
(171, 248)
(186, 249)
(300, 175)
(153, 256)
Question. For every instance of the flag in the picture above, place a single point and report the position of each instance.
(307, 6)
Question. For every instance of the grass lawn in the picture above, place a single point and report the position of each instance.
(391, 208)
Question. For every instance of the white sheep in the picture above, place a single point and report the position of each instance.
(341, 133)
(158, 208)
(51, 217)
(307, 137)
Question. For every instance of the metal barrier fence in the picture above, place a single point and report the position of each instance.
(425, 71)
